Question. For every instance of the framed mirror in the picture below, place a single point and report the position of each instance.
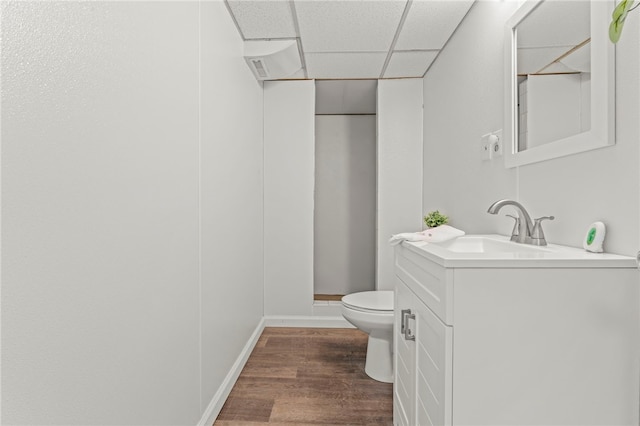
(559, 80)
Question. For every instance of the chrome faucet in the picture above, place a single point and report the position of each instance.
(525, 231)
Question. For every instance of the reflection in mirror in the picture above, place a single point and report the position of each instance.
(559, 97)
(554, 72)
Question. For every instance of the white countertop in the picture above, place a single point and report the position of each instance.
(522, 256)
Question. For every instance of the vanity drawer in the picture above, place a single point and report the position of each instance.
(430, 282)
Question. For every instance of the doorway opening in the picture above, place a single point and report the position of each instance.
(345, 188)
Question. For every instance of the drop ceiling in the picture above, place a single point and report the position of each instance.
(354, 39)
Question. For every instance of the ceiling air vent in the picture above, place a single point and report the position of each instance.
(273, 59)
(259, 69)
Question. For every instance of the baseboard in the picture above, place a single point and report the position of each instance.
(306, 321)
(219, 398)
(327, 308)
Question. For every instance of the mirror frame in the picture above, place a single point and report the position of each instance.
(602, 132)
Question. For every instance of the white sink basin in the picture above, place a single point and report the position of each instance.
(497, 251)
(486, 244)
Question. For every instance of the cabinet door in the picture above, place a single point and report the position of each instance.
(404, 360)
(433, 368)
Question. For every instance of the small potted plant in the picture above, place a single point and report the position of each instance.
(434, 219)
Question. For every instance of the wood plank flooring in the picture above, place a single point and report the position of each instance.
(308, 376)
(330, 297)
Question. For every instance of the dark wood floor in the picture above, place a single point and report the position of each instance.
(308, 376)
(329, 297)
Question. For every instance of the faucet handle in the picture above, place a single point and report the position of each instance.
(537, 234)
(516, 226)
(540, 219)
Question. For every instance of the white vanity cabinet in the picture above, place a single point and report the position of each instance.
(532, 341)
(423, 363)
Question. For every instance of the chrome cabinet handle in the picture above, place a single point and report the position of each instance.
(404, 327)
(403, 322)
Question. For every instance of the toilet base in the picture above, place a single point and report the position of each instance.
(379, 364)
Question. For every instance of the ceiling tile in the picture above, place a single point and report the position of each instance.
(264, 18)
(344, 65)
(348, 26)
(410, 64)
(429, 24)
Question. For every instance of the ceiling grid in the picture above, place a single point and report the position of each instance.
(395, 38)
(347, 39)
(296, 26)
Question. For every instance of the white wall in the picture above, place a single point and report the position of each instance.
(463, 94)
(288, 196)
(131, 147)
(345, 204)
(399, 205)
(463, 101)
(231, 197)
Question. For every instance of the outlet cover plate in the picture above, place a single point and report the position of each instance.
(496, 146)
(485, 147)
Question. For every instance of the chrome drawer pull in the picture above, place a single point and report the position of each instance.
(403, 322)
(406, 315)
(408, 335)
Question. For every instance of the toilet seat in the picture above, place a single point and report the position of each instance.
(380, 302)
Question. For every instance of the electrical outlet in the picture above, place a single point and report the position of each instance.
(485, 147)
(496, 144)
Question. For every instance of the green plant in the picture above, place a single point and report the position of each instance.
(435, 218)
(618, 17)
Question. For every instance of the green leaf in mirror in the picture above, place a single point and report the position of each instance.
(618, 17)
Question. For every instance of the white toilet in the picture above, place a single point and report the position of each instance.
(372, 312)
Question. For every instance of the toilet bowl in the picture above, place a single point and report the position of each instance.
(372, 312)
